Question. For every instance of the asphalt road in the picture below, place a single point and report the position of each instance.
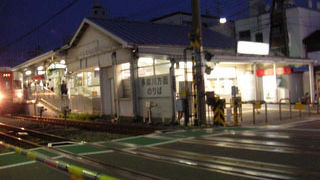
(287, 151)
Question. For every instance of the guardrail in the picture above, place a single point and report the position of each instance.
(72, 170)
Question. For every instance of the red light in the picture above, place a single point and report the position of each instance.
(6, 75)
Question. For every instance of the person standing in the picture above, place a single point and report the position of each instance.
(63, 88)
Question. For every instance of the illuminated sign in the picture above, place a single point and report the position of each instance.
(155, 86)
(248, 47)
(269, 72)
(57, 66)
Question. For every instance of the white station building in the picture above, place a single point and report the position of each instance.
(117, 68)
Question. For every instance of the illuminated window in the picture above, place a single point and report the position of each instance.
(162, 69)
(145, 66)
(78, 79)
(162, 66)
(160, 61)
(125, 71)
(145, 61)
(150, 67)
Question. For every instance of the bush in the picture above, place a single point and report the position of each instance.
(82, 116)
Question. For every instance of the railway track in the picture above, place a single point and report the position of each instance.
(27, 138)
(127, 129)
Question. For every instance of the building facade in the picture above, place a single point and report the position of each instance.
(138, 69)
(301, 22)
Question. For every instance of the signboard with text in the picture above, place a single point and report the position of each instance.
(155, 86)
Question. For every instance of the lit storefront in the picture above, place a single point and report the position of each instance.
(222, 77)
(55, 74)
(85, 91)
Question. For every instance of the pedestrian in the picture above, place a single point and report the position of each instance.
(180, 108)
(63, 88)
(305, 99)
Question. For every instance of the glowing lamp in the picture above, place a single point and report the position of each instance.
(223, 20)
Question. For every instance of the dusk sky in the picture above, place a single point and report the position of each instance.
(20, 16)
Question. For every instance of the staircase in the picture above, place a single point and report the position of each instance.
(51, 99)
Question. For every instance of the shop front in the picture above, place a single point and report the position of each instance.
(85, 91)
(221, 79)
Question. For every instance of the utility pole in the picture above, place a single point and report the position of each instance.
(197, 64)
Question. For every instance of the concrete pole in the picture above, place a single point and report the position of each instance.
(311, 79)
(173, 90)
(275, 79)
(115, 84)
(199, 99)
(134, 84)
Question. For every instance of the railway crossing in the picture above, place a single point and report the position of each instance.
(287, 151)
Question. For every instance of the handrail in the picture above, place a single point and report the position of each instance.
(59, 165)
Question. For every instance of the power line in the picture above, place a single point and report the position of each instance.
(40, 25)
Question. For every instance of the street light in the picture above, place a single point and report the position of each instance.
(223, 20)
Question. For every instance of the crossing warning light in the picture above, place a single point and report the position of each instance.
(135, 53)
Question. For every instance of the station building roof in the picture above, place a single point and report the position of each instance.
(146, 33)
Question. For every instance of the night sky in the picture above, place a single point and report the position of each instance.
(20, 16)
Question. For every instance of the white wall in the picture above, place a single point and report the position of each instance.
(95, 49)
(256, 25)
(301, 22)
(308, 23)
(91, 50)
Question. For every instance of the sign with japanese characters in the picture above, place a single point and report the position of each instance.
(155, 86)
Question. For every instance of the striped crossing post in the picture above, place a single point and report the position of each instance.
(76, 172)
(219, 117)
(195, 43)
(194, 84)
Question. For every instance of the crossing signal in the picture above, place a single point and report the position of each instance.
(135, 53)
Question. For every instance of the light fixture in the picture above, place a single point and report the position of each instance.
(40, 68)
(41, 72)
(19, 95)
(223, 20)
(62, 61)
(79, 75)
(97, 69)
(28, 72)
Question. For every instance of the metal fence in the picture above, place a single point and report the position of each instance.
(261, 112)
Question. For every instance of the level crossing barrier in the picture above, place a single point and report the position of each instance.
(75, 171)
